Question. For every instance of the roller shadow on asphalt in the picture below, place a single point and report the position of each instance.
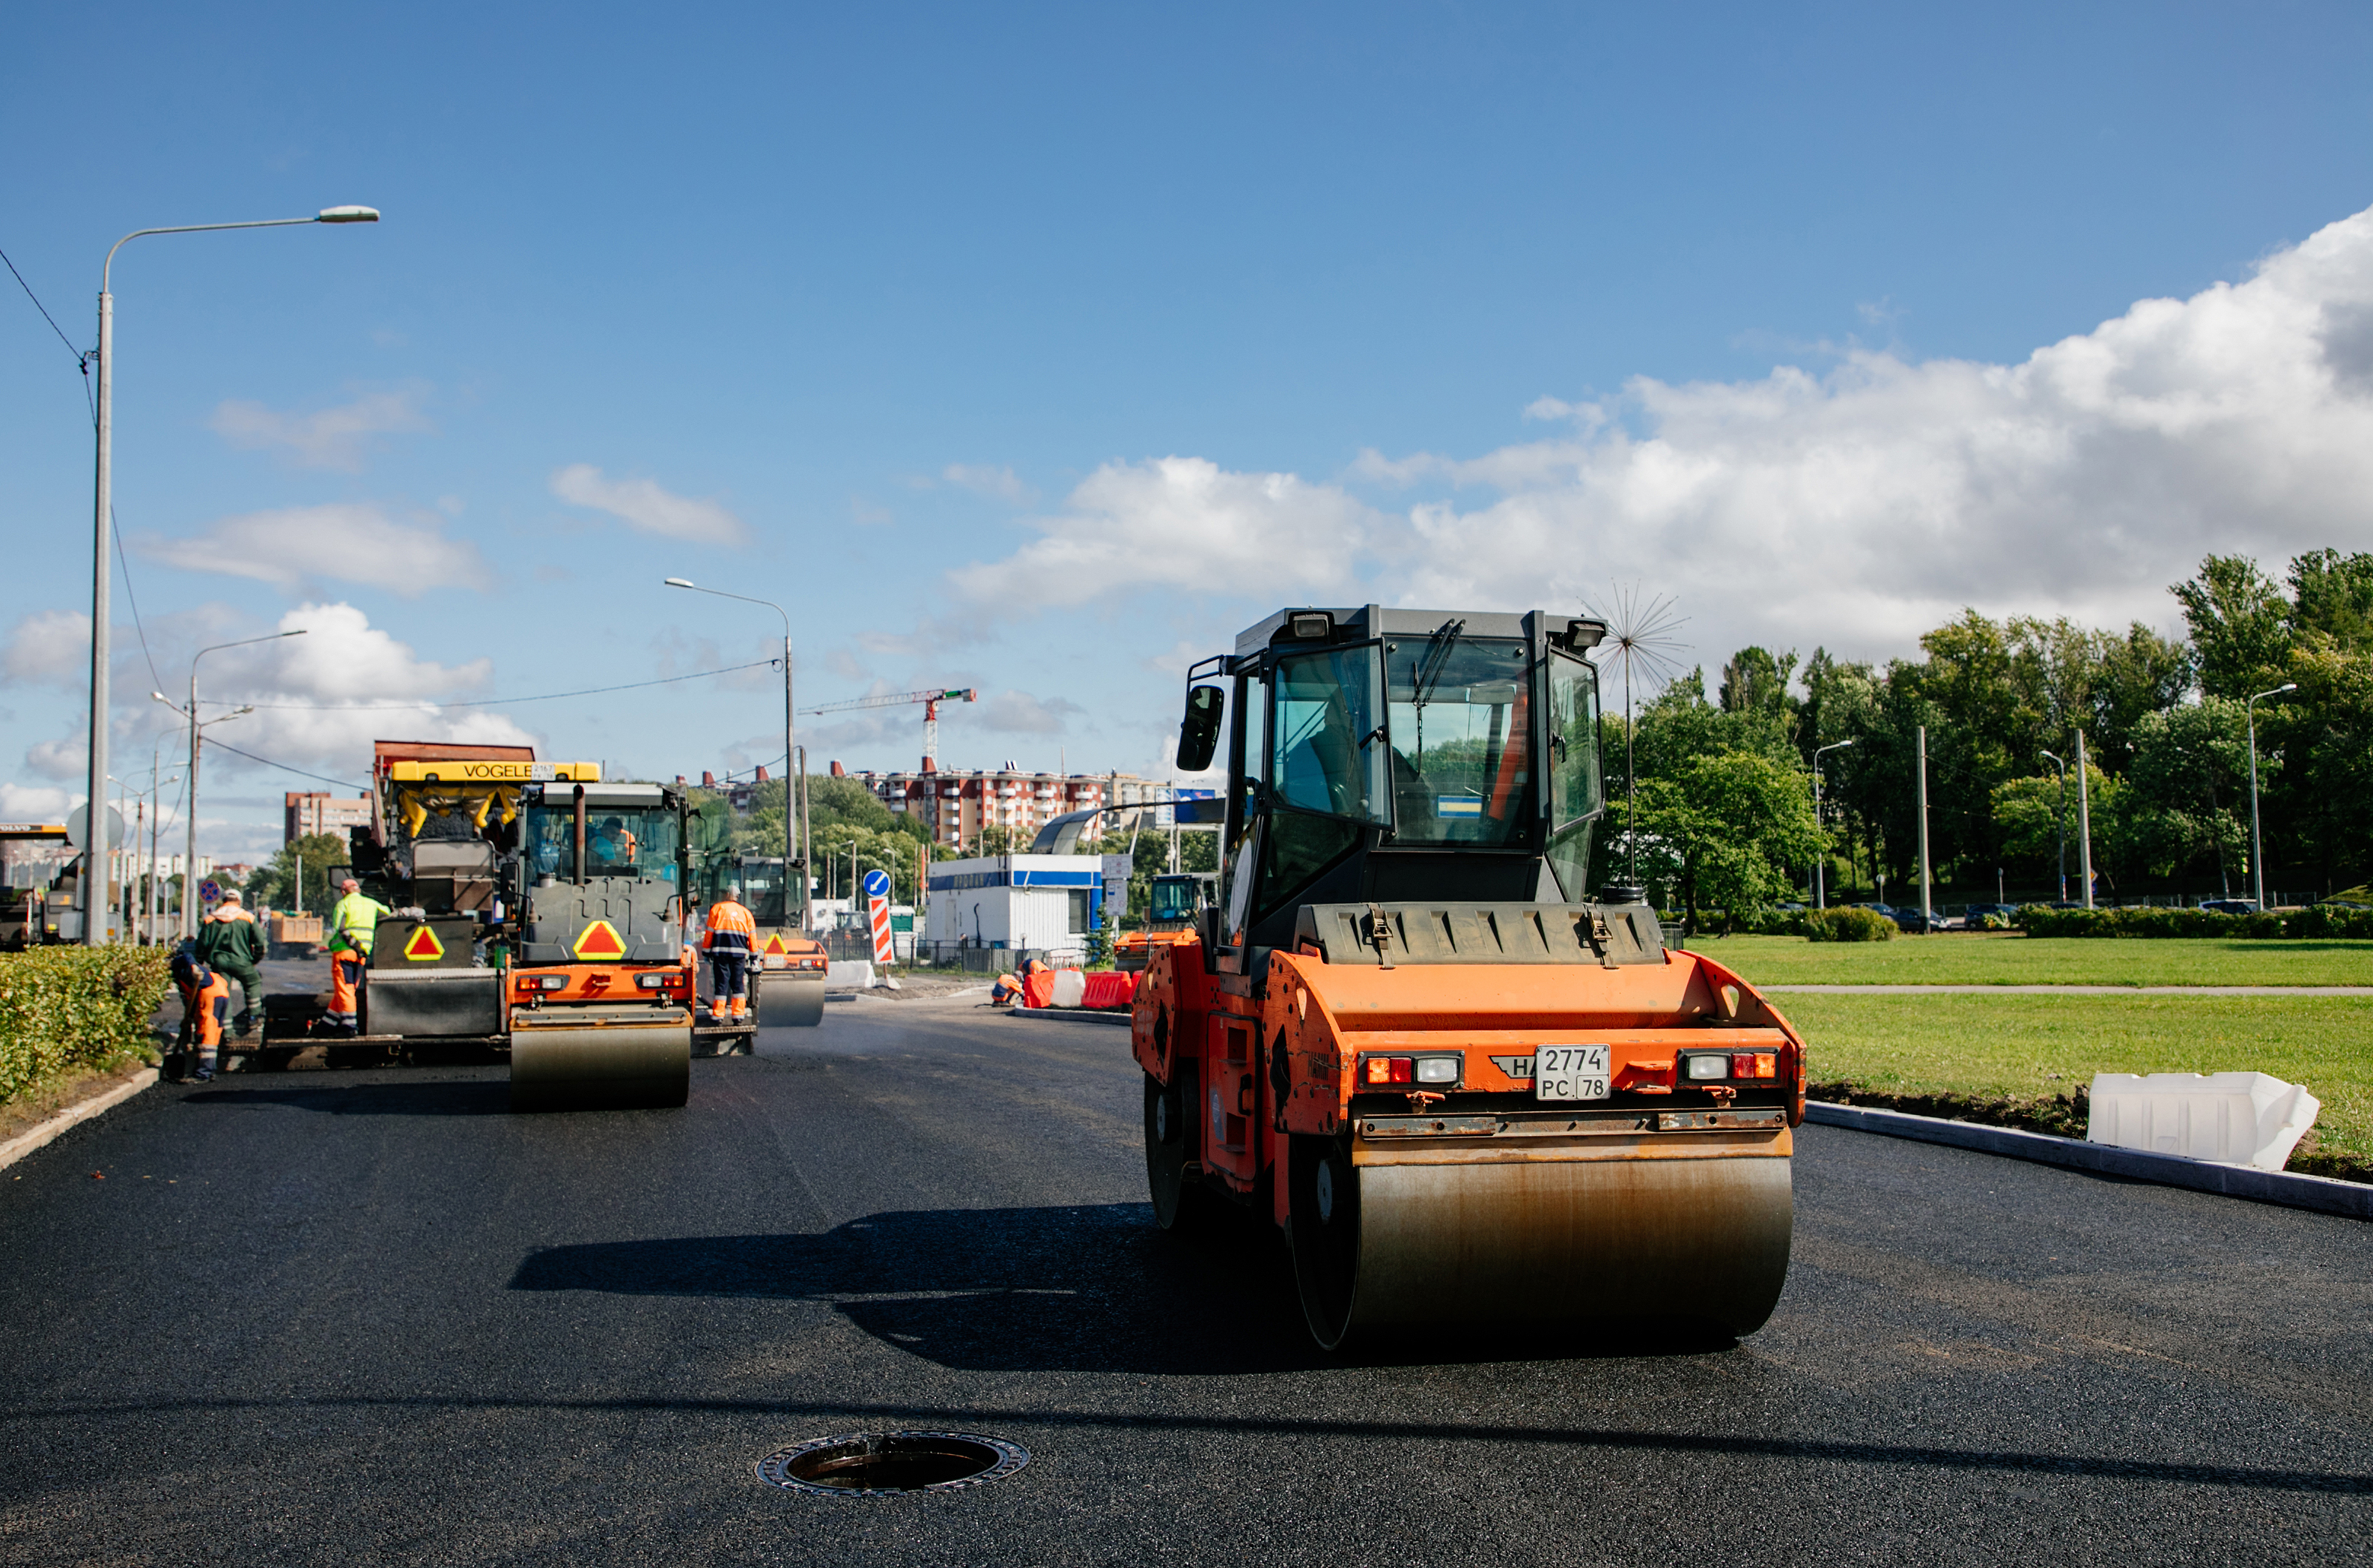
(1085, 1289)
(444, 1098)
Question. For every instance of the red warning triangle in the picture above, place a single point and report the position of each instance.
(600, 940)
(776, 945)
(423, 945)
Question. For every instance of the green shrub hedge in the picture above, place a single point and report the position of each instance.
(2317, 920)
(69, 1007)
(1848, 923)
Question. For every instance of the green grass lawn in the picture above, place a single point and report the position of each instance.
(2008, 959)
(2042, 1045)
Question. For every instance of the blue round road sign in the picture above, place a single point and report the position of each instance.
(210, 890)
(877, 884)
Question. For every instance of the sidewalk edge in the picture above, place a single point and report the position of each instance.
(2323, 1194)
(25, 1142)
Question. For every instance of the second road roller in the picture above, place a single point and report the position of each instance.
(1469, 1092)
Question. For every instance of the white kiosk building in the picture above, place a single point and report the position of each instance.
(1016, 901)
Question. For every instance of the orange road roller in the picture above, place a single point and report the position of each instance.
(1468, 1092)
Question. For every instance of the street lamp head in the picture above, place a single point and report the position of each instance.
(680, 582)
(348, 215)
(2286, 686)
(301, 631)
(160, 696)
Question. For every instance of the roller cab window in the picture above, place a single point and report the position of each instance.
(1460, 709)
(1576, 790)
(620, 841)
(1326, 742)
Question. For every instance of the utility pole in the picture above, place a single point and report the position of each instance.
(2083, 821)
(2060, 820)
(1821, 861)
(1923, 830)
(103, 521)
(2257, 851)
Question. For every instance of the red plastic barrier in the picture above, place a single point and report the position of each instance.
(1110, 989)
(1038, 989)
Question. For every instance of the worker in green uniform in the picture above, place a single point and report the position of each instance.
(232, 943)
(352, 925)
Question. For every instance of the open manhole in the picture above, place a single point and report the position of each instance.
(878, 1464)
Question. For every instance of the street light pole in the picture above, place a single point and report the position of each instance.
(190, 862)
(794, 767)
(1821, 861)
(2060, 820)
(104, 498)
(2257, 851)
(2084, 822)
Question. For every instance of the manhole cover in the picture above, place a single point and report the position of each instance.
(878, 1464)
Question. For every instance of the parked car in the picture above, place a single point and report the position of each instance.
(2229, 906)
(1912, 921)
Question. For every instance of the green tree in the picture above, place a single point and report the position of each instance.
(273, 883)
(1731, 830)
(2240, 624)
(2192, 768)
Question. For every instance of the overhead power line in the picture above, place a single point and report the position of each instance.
(341, 783)
(80, 358)
(502, 701)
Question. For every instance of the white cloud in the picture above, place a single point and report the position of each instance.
(33, 802)
(1020, 713)
(49, 648)
(322, 698)
(327, 438)
(1180, 523)
(1856, 508)
(984, 480)
(296, 548)
(640, 503)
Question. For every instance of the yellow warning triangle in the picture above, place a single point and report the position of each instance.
(777, 944)
(423, 945)
(600, 940)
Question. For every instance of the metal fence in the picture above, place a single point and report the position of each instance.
(970, 958)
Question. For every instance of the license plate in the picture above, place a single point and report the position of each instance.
(1569, 1072)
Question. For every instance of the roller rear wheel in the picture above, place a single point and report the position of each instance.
(1179, 1201)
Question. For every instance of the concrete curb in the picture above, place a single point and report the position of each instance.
(24, 1143)
(2071, 990)
(1083, 1014)
(2353, 1199)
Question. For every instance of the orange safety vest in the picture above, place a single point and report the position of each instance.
(730, 927)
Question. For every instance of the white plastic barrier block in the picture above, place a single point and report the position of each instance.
(2229, 1118)
(1070, 987)
(844, 972)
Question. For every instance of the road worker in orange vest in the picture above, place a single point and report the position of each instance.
(729, 937)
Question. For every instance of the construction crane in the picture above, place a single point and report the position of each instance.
(930, 701)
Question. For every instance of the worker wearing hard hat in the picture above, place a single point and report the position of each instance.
(232, 943)
(354, 923)
(730, 936)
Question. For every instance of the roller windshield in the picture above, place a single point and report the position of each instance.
(1460, 709)
(1175, 900)
(619, 841)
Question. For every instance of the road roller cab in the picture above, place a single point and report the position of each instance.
(1468, 1091)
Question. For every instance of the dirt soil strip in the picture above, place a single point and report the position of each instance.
(106, 1095)
(2077, 990)
(2285, 1187)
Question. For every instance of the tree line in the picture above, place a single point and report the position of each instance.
(1723, 809)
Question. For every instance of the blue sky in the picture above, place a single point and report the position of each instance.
(1039, 348)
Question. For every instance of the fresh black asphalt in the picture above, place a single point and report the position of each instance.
(371, 1317)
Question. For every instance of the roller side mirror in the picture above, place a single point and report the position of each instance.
(1199, 732)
